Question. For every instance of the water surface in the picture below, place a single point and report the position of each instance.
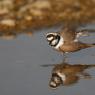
(21, 72)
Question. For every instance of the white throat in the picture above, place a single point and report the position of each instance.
(61, 42)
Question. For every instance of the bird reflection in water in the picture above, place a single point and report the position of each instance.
(66, 74)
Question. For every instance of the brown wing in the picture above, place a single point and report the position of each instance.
(71, 32)
(74, 46)
(71, 69)
(68, 34)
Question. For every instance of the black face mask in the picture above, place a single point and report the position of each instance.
(55, 38)
(54, 75)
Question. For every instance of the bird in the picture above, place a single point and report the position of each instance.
(67, 40)
(68, 74)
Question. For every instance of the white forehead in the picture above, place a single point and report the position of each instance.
(52, 83)
(49, 38)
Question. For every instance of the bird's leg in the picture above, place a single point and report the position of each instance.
(65, 58)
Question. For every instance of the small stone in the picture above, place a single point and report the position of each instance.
(41, 4)
(8, 22)
(3, 11)
(28, 17)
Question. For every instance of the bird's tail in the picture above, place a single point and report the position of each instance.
(86, 66)
(91, 45)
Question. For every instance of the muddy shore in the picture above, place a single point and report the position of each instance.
(22, 14)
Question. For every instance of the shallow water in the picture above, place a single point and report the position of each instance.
(21, 72)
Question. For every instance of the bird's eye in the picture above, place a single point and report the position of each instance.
(49, 35)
